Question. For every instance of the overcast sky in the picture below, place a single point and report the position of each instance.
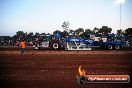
(48, 15)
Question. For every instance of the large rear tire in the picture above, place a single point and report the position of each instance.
(109, 47)
(117, 47)
(55, 46)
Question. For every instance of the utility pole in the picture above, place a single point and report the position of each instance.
(120, 16)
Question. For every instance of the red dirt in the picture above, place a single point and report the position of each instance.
(58, 69)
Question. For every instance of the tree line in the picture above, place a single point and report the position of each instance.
(79, 32)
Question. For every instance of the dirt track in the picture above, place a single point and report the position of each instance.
(58, 69)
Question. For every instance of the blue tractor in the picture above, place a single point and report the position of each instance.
(110, 41)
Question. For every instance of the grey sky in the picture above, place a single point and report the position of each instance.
(48, 15)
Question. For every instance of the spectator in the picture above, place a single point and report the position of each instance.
(23, 46)
(31, 43)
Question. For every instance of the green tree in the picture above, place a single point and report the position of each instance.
(30, 34)
(105, 30)
(128, 32)
(57, 32)
(85, 34)
(96, 30)
(79, 31)
(71, 32)
(20, 33)
(65, 25)
(119, 32)
(64, 34)
(36, 34)
(88, 31)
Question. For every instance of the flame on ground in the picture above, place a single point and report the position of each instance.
(81, 71)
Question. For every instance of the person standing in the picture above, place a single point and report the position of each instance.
(23, 46)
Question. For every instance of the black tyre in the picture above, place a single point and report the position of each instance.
(117, 47)
(55, 46)
(109, 47)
